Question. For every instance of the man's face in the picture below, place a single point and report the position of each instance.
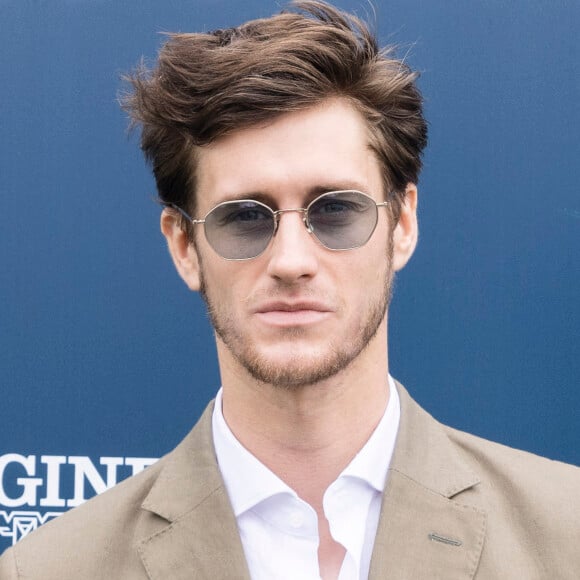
(299, 313)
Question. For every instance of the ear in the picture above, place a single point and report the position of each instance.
(406, 231)
(182, 251)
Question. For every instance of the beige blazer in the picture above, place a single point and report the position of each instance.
(455, 507)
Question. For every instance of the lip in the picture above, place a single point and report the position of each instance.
(281, 313)
(283, 306)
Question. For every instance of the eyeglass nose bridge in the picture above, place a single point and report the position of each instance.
(302, 210)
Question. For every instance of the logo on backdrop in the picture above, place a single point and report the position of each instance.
(35, 489)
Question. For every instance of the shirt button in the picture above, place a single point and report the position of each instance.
(296, 520)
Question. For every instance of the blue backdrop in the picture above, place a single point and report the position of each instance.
(106, 360)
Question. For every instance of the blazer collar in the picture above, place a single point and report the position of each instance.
(426, 529)
(197, 536)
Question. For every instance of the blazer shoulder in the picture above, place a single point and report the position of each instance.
(534, 487)
(89, 530)
(102, 537)
(532, 505)
(497, 458)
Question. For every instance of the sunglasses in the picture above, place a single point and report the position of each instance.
(242, 229)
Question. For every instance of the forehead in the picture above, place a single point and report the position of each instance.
(297, 154)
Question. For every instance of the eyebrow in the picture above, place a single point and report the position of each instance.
(338, 186)
(269, 198)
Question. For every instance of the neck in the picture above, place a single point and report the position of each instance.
(307, 435)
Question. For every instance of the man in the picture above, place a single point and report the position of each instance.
(286, 153)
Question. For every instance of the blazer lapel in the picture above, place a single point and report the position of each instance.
(427, 529)
(195, 535)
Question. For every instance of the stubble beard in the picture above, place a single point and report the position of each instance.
(296, 372)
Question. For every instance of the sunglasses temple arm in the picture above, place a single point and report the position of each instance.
(182, 213)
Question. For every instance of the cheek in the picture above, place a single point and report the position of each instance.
(365, 275)
(371, 272)
(376, 256)
(226, 288)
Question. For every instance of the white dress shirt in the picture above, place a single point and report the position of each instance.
(279, 531)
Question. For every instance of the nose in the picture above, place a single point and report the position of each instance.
(293, 252)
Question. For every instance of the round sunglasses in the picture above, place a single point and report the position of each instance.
(242, 229)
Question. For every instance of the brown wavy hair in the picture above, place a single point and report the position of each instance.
(207, 85)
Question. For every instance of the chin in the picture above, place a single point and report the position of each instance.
(304, 367)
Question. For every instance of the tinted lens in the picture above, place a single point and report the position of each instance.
(343, 220)
(238, 230)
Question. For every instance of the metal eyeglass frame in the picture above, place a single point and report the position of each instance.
(276, 216)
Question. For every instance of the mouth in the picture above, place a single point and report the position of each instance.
(282, 313)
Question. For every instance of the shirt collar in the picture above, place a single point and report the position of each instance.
(249, 481)
(372, 462)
